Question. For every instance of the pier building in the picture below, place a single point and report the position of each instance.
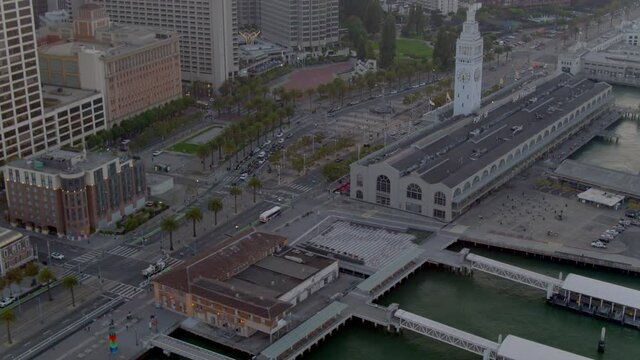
(440, 172)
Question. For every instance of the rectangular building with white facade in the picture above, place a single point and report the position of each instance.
(441, 172)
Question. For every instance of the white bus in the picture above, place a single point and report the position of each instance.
(270, 214)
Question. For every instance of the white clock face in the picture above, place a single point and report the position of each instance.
(464, 76)
(476, 74)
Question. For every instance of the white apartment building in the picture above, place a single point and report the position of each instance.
(30, 123)
(443, 6)
(302, 25)
(208, 32)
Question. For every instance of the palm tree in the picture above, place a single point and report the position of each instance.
(215, 205)
(195, 215)
(235, 192)
(47, 276)
(69, 282)
(8, 317)
(202, 151)
(170, 225)
(255, 184)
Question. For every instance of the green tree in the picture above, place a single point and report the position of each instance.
(235, 192)
(215, 205)
(388, 42)
(170, 225)
(31, 269)
(14, 276)
(8, 317)
(194, 215)
(255, 184)
(69, 282)
(47, 276)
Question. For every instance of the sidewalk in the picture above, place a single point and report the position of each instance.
(40, 315)
(92, 343)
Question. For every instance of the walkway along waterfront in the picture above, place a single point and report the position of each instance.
(358, 304)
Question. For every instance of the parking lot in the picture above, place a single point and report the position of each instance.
(521, 211)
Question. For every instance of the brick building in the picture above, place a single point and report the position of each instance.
(73, 193)
(136, 68)
(246, 285)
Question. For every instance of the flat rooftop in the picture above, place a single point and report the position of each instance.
(613, 58)
(456, 151)
(516, 348)
(600, 197)
(598, 176)
(65, 162)
(602, 290)
(115, 40)
(62, 96)
(240, 275)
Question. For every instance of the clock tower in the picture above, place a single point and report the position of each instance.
(468, 75)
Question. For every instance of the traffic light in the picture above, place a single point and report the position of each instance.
(113, 340)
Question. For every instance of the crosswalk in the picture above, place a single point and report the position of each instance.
(125, 290)
(172, 261)
(84, 258)
(124, 251)
(299, 187)
(229, 179)
(81, 277)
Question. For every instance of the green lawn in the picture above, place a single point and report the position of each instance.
(184, 147)
(410, 49)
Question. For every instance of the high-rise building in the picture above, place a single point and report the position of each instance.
(136, 68)
(468, 81)
(30, 124)
(248, 13)
(208, 32)
(526, 3)
(302, 25)
(73, 193)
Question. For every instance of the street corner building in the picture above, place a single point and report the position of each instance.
(248, 284)
(442, 171)
(15, 250)
(73, 193)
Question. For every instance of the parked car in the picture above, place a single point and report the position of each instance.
(267, 143)
(6, 301)
(262, 154)
(57, 256)
(244, 176)
(631, 213)
(280, 134)
(599, 245)
(289, 135)
(607, 236)
(157, 152)
(281, 141)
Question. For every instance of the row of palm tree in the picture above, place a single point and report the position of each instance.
(215, 205)
(45, 276)
(266, 116)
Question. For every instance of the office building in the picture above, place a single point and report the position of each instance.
(440, 172)
(15, 250)
(304, 26)
(208, 32)
(248, 14)
(30, 123)
(136, 68)
(468, 74)
(445, 7)
(73, 193)
(246, 285)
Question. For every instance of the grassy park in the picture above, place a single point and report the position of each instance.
(410, 49)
